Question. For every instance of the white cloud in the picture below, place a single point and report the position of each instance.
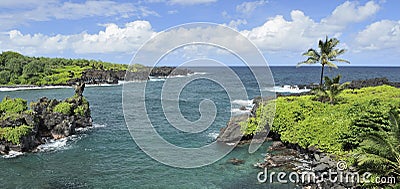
(53, 9)
(235, 23)
(384, 34)
(24, 4)
(350, 12)
(190, 2)
(172, 11)
(249, 7)
(276, 34)
(301, 31)
(113, 39)
(182, 2)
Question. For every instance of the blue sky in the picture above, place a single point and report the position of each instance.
(282, 29)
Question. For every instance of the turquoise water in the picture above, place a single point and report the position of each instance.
(106, 156)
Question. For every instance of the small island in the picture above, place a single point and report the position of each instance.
(23, 129)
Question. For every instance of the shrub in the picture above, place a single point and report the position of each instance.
(10, 105)
(80, 110)
(13, 134)
(63, 107)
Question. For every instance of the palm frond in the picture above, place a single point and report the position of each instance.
(340, 60)
(331, 65)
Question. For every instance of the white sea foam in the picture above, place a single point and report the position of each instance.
(198, 73)
(213, 135)
(243, 102)
(53, 145)
(12, 154)
(237, 110)
(287, 89)
(3, 89)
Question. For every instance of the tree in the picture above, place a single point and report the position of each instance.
(4, 77)
(381, 149)
(326, 56)
(331, 88)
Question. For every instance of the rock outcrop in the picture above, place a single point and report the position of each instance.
(46, 119)
(93, 76)
(357, 84)
(232, 133)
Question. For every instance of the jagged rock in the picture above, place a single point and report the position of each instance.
(63, 129)
(93, 76)
(277, 145)
(321, 167)
(232, 133)
(357, 84)
(45, 122)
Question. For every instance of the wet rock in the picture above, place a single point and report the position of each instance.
(243, 108)
(235, 161)
(231, 133)
(321, 167)
(63, 129)
(277, 145)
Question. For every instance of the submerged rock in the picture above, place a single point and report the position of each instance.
(235, 161)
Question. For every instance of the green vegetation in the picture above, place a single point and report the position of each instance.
(264, 114)
(305, 121)
(331, 89)
(63, 107)
(13, 134)
(380, 151)
(326, 55)
(17, 69)
(9, 105)
(362, 128)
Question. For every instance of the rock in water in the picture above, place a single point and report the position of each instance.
(79, 88)
(45, 119)
(231, 133)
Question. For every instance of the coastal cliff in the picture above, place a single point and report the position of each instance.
(23, 130)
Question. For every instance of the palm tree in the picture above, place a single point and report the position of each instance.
(331, 88)
(326, 56)
(381, 149)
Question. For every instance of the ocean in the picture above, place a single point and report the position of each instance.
(106, 156)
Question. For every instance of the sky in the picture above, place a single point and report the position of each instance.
(282, 30)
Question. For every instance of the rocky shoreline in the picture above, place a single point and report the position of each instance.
(46, 119)
(113, 76)
(291, 157)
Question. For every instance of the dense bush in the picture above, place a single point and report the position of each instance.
(16, 105)
(335, 129)
(63, 107)
(13, 134)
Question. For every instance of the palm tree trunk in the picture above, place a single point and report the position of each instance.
(322, 75)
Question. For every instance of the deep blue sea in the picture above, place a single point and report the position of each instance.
(106, 156)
